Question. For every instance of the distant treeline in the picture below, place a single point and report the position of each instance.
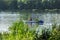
(29, 4)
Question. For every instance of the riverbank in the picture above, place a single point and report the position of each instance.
(20, 31)
(34, 11)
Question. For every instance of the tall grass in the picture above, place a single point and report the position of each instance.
(20, 31)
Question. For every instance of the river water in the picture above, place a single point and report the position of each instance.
(7, 18)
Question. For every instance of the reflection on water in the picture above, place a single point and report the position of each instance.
(7, 18)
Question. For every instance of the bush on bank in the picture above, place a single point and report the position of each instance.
(20, 31)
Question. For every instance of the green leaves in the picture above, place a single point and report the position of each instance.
(20, 31)
(55, 34)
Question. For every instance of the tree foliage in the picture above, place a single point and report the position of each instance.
(29, 4)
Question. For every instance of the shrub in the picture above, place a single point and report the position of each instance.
(19, 31)
(0, 36)
(55, 34)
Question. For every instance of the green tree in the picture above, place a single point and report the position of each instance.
(13, 5)
(3, 5)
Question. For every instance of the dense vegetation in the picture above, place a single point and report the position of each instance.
(29, 4)
(20, 31)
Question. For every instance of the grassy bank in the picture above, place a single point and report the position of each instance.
(20, 31)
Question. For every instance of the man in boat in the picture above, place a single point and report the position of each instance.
(40, 22)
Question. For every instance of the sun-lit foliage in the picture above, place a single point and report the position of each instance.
(20, 31)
